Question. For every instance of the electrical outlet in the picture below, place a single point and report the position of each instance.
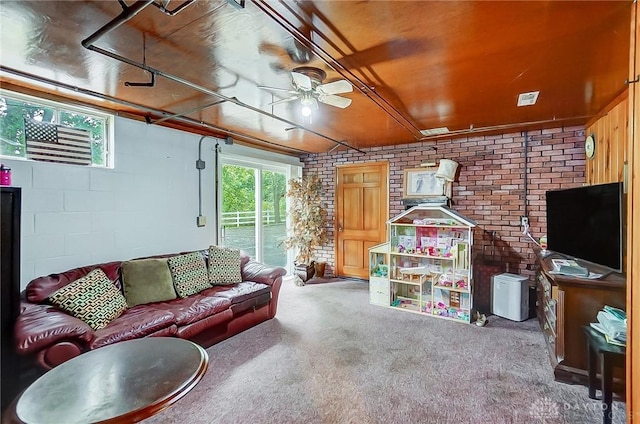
(201, 221)
(524, 221)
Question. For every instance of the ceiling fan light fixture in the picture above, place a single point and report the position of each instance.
(308, 88)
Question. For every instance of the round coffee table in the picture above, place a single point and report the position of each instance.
(122, 383)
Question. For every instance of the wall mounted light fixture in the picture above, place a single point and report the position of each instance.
(447, 170)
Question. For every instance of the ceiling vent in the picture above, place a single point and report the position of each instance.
(528, 99)
(434, 131)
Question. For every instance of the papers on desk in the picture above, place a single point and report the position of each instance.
(572, 268)
(612, 323)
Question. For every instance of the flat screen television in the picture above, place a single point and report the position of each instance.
(586, 223)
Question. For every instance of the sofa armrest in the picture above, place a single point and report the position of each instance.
(41, 326)
(261, 273)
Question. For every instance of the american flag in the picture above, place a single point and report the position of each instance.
(56, 143)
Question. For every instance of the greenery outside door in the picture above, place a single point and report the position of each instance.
(253, 216)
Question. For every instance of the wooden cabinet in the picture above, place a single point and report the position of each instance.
(10, 288)
(426, 265)
(564, 305)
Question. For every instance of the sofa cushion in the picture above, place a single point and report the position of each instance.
(193, 308)
(189, 273)
(238, 292)
(93, 299)
(224, 265)
(146, 281)
(39, 289)
(139, 321)
(251, 304)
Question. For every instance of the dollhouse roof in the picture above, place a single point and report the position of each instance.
(431, 213)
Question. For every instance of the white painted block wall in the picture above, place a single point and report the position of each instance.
(74, 216)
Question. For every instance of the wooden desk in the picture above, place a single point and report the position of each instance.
(609, 355)
(122, 383)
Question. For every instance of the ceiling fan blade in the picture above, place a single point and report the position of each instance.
(288, 99)
(336, 101)
(284, 90)
(301, 81)
(336, 87)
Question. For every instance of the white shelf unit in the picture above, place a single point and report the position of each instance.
(429, 263)
(379, 293)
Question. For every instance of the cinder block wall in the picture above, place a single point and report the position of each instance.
(74, 216)
(490, 187)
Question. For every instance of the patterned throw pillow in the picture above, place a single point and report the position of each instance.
(93, 298)
(224, 265)
(189, 273)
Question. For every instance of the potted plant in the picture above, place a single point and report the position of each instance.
(307, 222)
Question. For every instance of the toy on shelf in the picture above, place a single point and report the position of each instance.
(381, 270)
(429, 263)
(415, 274)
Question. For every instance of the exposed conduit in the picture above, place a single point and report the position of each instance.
(526, 171)
(185, 120)
(361, 86)
(200, 165)
(127, 14)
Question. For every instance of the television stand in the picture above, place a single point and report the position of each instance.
(565, 305)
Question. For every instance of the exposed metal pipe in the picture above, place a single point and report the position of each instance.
(216, 193)
(338, 67)
(175, 11)
(185, 120)
(526, 169)
(129, 13)
(186, 112)
(200, 165)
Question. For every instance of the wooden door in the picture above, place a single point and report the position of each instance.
(362, 210)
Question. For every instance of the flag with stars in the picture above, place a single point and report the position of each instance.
(56, 143)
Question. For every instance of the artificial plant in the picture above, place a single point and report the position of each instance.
(306, 216)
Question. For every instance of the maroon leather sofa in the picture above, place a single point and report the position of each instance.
(50, 336)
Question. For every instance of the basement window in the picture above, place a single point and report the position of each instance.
(41, 130)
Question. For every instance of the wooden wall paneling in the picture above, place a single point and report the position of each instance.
(633, 226)
(612, 135)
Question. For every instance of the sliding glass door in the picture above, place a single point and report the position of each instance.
(253, 216)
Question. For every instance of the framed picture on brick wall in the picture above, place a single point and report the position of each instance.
(422, 182)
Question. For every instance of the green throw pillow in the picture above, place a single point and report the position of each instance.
(147, 281)
(224, 265)
(189, 274)
(93, 298)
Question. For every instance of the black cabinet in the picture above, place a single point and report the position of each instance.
(10, 203)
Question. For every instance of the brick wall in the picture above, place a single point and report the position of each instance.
(490, 187)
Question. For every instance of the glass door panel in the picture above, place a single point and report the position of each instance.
(238, 220)
(274, 228)
(254, 212)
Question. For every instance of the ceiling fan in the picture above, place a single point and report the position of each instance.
(308, 88)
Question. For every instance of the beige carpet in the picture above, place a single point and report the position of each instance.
(331, 357)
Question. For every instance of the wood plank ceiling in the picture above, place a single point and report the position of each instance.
(413, 65)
